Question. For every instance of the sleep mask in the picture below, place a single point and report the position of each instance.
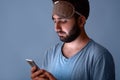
(64, 9)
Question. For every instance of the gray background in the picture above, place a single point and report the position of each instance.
(27, 30)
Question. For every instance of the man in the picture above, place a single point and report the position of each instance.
(78, 57)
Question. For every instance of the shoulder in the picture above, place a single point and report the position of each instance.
(101, 62)
(98, 51)
(53, 50)
(99, 55)
(50, 54)
(55, 47)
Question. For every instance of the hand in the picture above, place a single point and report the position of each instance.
(40, 74)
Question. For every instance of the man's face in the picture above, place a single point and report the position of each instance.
(67, 29)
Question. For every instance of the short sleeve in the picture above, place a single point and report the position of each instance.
(104, 68)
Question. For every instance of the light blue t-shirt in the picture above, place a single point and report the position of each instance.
(93, 62)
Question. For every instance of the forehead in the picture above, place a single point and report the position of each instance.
(58, 18)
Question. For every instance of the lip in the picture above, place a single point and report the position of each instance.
(60, 33)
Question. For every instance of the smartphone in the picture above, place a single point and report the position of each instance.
(32, 63)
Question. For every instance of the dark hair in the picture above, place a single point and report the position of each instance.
(82, 6)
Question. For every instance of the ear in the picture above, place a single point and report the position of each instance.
(81, 20)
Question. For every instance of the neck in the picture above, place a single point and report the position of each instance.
(71, 48)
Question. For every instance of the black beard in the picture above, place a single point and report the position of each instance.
(73, 34)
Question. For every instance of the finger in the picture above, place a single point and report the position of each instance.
(42, 73)
(40, 78)
(36, 78)
(50, 76)
(38, 73)
(35, 74)
(33, 69)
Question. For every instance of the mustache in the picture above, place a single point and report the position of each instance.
(61, 32)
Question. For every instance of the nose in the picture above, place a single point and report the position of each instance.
(57, 26)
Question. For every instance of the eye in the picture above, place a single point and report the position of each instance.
(54, 21)
(63, 20)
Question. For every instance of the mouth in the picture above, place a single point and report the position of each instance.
(60, 33)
